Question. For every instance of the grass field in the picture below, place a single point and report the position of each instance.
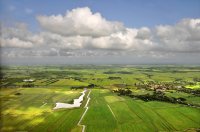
(135, 115)
(196, 86)
(32, 110)
(28, 106)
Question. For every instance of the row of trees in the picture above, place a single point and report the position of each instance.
(156, 96)
(160, 96)
(122, 91)
(190, 91)
(82, 87)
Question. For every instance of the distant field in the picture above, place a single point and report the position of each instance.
(28, 105)
(69, 82)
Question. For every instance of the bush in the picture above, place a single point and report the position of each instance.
(17, 93)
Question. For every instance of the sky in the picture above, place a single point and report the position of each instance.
(99, 32)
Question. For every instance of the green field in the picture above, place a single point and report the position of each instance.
(33, 109)
(28, 105)
(136, 115)
(195, 86)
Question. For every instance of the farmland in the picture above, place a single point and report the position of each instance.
(123, 98)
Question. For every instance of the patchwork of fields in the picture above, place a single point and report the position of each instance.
(28, 106)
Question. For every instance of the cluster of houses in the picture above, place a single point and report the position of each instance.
(162, 87)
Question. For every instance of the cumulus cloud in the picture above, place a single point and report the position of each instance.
(80, 21)
(15, 43)
(19, 36)
(184, 36)
(82, 33)
(144, 33)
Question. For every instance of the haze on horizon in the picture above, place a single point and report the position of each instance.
(96, 32)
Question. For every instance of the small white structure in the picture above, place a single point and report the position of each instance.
(77, 102)
(178, 86)
(28, 80)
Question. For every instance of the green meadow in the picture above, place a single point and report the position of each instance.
(28, 105)
(135, 115)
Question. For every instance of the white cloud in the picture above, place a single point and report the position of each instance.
(15, 43)
(79, 21)
(19, 36)
(184, 36)
(144, 33)
(82, 33)
(119, 40)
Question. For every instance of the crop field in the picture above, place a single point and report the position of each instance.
(32, 109)
(123, 98)
(115, 113)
